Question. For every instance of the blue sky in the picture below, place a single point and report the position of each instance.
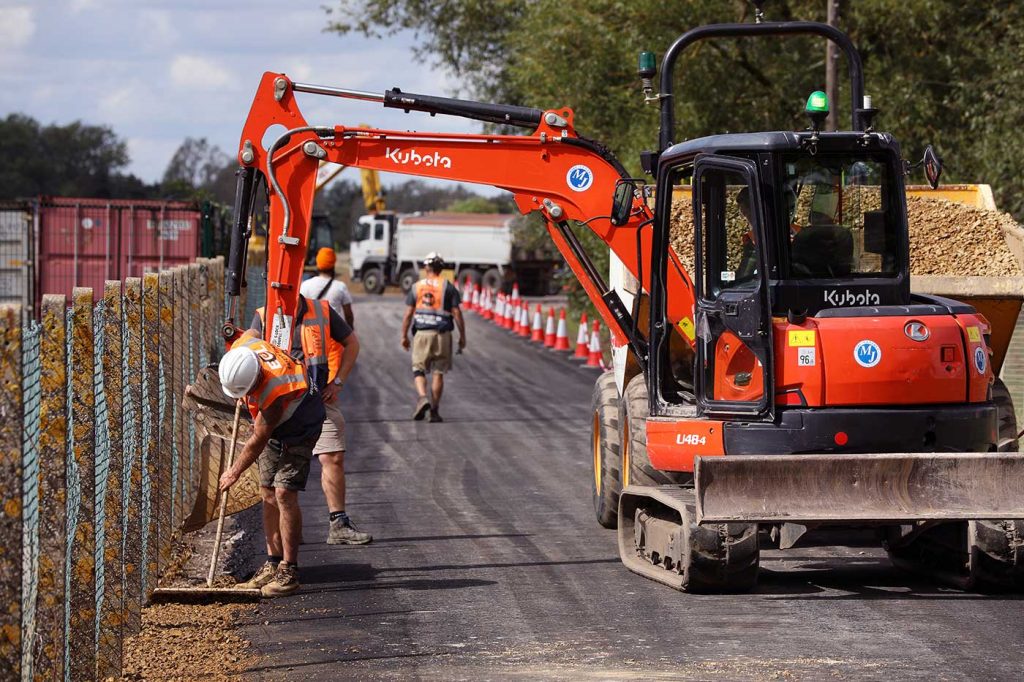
(158, 71)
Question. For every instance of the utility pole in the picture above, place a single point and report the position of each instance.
(831, 62)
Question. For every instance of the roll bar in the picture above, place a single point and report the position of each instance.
(768, 28)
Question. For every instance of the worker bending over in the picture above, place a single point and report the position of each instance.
(328, 347)
(433, 312)
(287, 417)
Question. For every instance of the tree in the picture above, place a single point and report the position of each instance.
(70, 160)
(199, 170)
(941, 72)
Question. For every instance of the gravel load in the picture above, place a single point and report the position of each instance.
(946, 238)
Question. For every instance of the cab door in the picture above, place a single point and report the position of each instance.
(733, 374)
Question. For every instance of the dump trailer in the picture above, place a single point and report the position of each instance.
(781, 376)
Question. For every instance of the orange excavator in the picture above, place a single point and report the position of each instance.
(775, 374)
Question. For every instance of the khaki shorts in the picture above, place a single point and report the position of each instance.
(332, 438)
(431, 352)
(285, 466)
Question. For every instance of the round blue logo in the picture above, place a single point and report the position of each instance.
(579, 178)
(979, 359)
(867, 353)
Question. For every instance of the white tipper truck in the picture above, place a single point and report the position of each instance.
(388, 248)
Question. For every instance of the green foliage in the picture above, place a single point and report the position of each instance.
(200, 171)
(941, 72)
(481, 204)
(70, 160)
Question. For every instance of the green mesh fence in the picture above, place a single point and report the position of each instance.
(123, 404)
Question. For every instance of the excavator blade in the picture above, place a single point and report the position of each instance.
(860, 487)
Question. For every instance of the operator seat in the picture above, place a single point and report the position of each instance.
(822, 250)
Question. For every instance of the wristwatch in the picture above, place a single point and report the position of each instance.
(338, 382)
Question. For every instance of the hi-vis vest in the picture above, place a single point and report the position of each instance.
(279, 376)
(429, 312)
(322, 354)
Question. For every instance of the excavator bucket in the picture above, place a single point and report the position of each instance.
(213, 414)
(866, 487)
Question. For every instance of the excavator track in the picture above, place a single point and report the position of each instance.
(660, 539)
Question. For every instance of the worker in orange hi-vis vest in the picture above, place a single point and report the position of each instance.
(327, 346)
(433, 313)
(288, 414)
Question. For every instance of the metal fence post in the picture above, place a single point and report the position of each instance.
(192, 322)
(82, 632)
(11, 487)
(48, 649)
(166, 446)
(180, 368)
(109, 656)
(151, 369)
(133, 529)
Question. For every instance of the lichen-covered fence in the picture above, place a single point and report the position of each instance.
(98, 463)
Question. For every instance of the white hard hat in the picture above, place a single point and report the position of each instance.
(238, 370)
(433, 257)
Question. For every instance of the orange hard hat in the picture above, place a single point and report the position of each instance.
(325, 259)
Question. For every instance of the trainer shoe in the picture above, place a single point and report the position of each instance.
(286, 581)
(422, 407)
(342, 533)
(264, 575)
(435, 416)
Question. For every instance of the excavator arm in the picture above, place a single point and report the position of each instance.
(568, 179)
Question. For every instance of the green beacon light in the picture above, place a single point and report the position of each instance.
(817, 110)
(646, 68)
(817, 103)
(646, 65)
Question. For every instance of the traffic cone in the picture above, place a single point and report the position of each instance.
(515, 291)
(499, 308)
(506, 313)
(549, 330)
(594, 356)
(562, 335)
(487, 311)
(582, 339)
(513, 321)
(537, 330)
(475, 299)
(524, 320)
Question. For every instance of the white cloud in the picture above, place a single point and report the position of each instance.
(17, 26)
(198, 73)
(82, 5)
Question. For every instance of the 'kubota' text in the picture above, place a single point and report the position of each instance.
(835, 297)
(410, 157)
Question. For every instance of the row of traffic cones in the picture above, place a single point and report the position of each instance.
(513, 313)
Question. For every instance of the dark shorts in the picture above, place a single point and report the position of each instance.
(285, 466)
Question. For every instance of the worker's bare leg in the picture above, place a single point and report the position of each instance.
(421, 385)
(271, 527)
(437, 388)
(332, 479)
(290, 523)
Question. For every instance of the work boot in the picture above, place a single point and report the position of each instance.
(285, 582)
(264, 575)
(422, 407)
(342, 532)
(435, 416)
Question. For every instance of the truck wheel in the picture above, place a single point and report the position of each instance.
(636, 466)
(604, 441)
(407, 280)
(492, 280)
(373, 281)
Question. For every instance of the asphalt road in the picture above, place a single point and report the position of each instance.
(487, 561)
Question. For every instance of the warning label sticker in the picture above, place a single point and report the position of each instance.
(801, 337)
(281, 332)
(686, 326)
(974, 334)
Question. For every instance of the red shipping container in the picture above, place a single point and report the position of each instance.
(83, 242)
